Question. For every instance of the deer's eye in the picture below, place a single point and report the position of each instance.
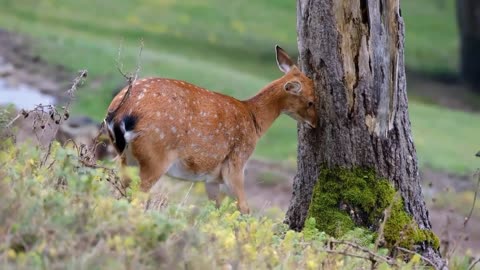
(310, 104)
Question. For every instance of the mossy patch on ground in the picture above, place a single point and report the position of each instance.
(347, 198)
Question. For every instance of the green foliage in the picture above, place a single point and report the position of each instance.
(311, 232)
(402, 230)
(59, 214)
(431, 35)
(357, 189)
(342, 195)
(51, 213)
(445, 139)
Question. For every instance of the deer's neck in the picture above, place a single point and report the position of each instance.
(266, 106)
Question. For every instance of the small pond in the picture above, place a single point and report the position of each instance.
(22, 96)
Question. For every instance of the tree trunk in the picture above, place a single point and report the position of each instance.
(354, 51)
(468, 17)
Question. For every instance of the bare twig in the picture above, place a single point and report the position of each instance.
(415, 253)
(41, 111)
(365, 250)
(467, 218)
(84, 156)
(344, 253)
(463, 232)
(66, 114)
(13, 120)
(470, 267)
(131, 78)
(186, 195)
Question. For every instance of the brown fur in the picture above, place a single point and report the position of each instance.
(208, 134)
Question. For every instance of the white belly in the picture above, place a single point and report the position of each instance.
(179, 171)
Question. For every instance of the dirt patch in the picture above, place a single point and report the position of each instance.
(442, 91)
(23, 65)
(268, 184)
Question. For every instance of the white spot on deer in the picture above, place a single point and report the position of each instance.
(128, 135)
(162, 135)
(141, 96)
(174, 130)
(182, 83)
(157, 130)
(170, 117)
(110, 127)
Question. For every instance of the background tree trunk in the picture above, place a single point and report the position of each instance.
(468, 17)
(354, 50)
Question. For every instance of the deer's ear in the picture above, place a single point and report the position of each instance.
(283, 60)
(293, 87)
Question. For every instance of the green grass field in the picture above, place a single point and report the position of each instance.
(229, 48)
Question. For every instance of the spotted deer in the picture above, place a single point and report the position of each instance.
(189, 133)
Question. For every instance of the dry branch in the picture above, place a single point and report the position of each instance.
(416, 253)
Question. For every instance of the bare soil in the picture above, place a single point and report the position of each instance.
(22, 64)
(270, 184)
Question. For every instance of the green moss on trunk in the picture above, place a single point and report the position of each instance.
(345, 198)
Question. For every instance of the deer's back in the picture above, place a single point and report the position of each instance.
(202, 128)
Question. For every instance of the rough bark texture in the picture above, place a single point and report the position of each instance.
(468, 17)
(354, 50)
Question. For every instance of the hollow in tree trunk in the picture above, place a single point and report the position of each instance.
(361, 154)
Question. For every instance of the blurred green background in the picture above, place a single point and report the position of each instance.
(228, 47)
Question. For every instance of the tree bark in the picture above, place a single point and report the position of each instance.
(354, 51)
(468, 18)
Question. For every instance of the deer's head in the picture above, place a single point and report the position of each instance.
(300, 102)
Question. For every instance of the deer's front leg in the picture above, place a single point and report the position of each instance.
(234, 179)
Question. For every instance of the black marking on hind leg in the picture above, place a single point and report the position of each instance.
(127, 123)
(119, 142)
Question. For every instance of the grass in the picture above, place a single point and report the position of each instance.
(445, 139)
(431, 36)
(229, 48)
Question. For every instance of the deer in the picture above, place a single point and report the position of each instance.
(187, 132)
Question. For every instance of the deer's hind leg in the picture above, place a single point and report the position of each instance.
(214, 192)
(124, 177)
(153, 163)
